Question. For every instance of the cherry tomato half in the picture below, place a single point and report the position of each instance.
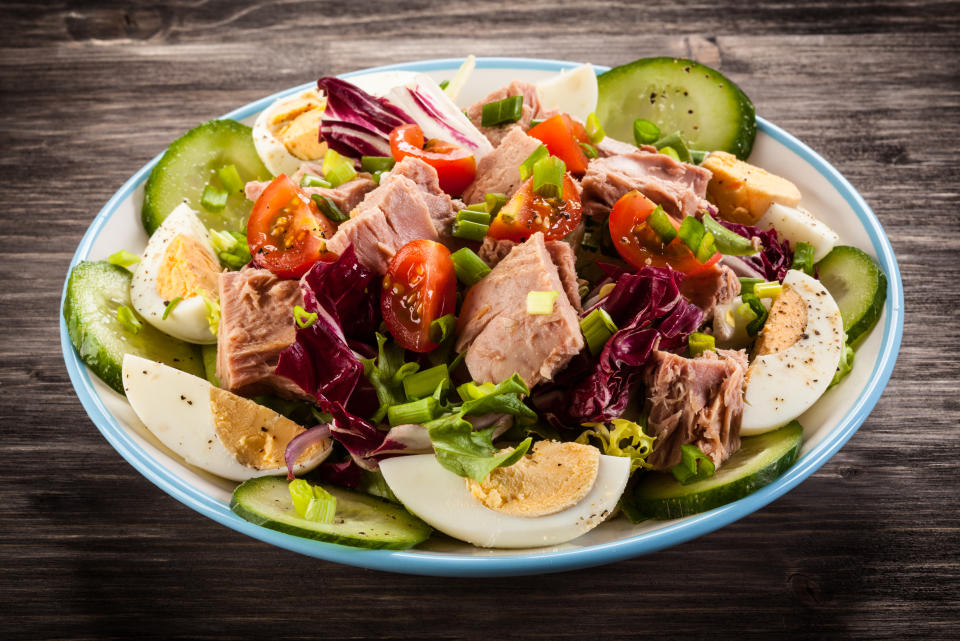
(527, 213)
(286, 231)
(455, 166)
(420, 287)
(562, 135)
(640, 245)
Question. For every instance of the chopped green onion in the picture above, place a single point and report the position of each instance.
(170, 307)
(482, 207)
(670, 151)
(698, 343)
(425, 383)
(414, 413)
(747, 284)
(124, 259)
(691, 232)
(502, 111)
(230, 178)
(377, 175)
(494, 202)
(337, 169)
(595, 130)
(469, 230)
(803, 258)
(128, 319)
(534, 122)
(441, 328)
(214, 198)
(767, 290)
(746, 312)
(213, 313)
(222, 241)
(469, 267)
(481, 217)
(329, 208)
(675, 142)
(589, 150)
(526, 167)
(728, 242)
(697, 156)
(706, 249)
(694, 466)
(541, 303)
(314, 181)
(660, 222)
(373, 164)
(548, 177)
(312, 502)
(597, 328)
(758, 308)
(444, 84)
(304, 318)
(645, 132)
(471, 391)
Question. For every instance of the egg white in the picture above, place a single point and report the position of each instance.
(442, 499)
(175, 406)
(574, 92)
(272, 152)
(188, 319)
(782, 386)
(799, 225)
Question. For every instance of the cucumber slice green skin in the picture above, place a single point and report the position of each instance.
(760, 461)
(95, 290)
(361, 520)
(665, 91)
(858, 285)
(191, 162)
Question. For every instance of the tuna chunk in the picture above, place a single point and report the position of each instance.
(698, 401)
(499, 336)
(711, 288)
(531, 109)
(388, 218)
(679, 187)
(492, 251)
(345, 197)
(613, 147)
(256, 324)
(499, 171)
(442, 209)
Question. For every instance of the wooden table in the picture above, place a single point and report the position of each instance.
(91, 91)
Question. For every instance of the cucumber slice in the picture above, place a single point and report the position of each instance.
(209, 355)
(758, 462)
(361, 520)
(858, 285)
(95, 290)
(709, 110)
(191, 163)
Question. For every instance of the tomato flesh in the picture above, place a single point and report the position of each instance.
(527, 213)
(562, 135)
(420, 287)
(286, 231)
(456, 167)
(638, 244)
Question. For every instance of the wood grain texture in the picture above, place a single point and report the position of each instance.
(90, 91)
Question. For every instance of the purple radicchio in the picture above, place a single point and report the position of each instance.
(770, 263)
(321, 362)
(354, 122)
(652, 314)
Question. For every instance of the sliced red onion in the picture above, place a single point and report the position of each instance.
(301, 443)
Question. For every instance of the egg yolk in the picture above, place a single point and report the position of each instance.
(186, 269)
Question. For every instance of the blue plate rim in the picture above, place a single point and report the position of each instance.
(437, 564)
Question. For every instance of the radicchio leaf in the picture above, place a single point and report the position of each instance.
(356, 123)
(773, 261)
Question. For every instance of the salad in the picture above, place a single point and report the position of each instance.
(385, 314)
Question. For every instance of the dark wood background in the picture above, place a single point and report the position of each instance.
(89, 91)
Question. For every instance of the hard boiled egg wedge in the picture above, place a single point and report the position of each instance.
(557, 493)
(287, 132)
(211, 428)
(178, 263)
(574, 92)
(796, 355)
(799, 225)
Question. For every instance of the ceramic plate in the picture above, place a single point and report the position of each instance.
(828, 424)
